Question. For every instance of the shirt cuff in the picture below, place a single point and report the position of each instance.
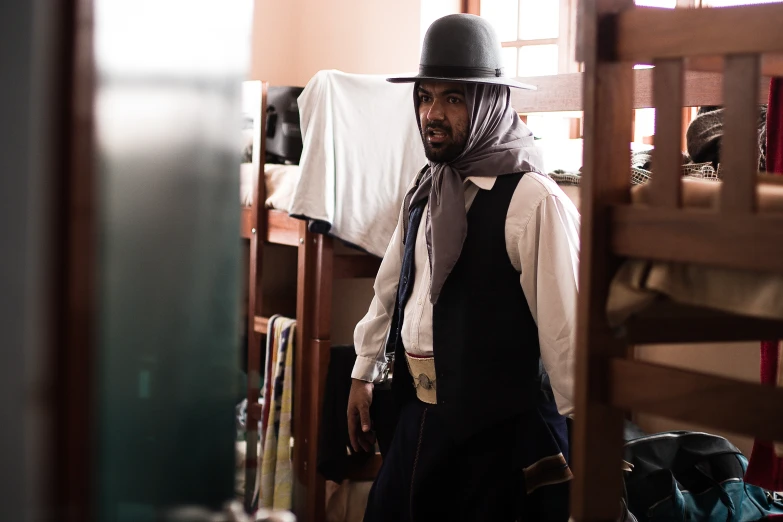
(366, 368)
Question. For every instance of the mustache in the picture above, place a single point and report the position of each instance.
(437, 126)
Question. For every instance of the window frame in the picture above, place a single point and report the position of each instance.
(565, 41)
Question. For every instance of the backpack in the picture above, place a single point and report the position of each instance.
(691, 476)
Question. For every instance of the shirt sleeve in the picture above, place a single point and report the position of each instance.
(548, 248)
(371, 332)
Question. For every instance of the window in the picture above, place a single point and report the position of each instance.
(536, 35)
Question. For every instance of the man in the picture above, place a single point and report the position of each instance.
(476, 296)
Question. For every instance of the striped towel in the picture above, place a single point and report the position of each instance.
(275, 475)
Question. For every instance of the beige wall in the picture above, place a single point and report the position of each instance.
(294, 39)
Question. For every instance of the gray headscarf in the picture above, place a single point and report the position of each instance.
(498, 143)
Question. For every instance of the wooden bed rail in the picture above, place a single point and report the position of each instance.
(740, 407)
(646, 35)
(563, 92)
(665, 231)
(614, 36)
(699, 236)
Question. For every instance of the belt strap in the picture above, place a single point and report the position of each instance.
(423, 372)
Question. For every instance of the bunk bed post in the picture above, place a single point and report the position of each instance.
(608, 102)
(255, 295)
(313, 325)
(306, 262)
(320, 350)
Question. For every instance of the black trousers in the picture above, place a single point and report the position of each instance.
(426, 476)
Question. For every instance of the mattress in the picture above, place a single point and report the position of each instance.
(639, 282)
(280, 181)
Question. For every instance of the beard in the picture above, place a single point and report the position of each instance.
(447, 150)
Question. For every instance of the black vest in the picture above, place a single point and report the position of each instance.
(485, 341)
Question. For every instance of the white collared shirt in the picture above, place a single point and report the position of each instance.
(542, 240)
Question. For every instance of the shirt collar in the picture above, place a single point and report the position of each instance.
(483, 182)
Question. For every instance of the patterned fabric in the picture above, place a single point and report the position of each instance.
(705, 133)
(275, 475)
(641, 171)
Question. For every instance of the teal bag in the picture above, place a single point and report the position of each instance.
(694, 477)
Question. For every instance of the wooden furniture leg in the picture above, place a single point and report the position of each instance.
(313, 314)
(608, 102)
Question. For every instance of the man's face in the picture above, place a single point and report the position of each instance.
(444, 120)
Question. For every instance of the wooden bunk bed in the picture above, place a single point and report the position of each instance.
(318, 266)
(615, 35)
(608, 383)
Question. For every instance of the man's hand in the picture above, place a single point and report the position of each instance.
(359, 424)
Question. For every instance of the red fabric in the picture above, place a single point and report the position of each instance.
(775, 126)
(765, 469)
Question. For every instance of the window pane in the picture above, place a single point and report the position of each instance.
(644, 125)
(537, 60)
(550, 126)
(510, 61)
(503, 15)
(539, 19)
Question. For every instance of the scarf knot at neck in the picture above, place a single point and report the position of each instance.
(498, 143)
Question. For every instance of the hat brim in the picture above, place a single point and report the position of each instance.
(500, 80)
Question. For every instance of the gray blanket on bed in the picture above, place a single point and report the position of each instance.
(706, 130)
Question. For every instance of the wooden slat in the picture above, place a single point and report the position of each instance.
(699, 236)
(261, 325)
(75, 250)
(282, 229)
(771, 64)
(321, 314)
(320, 351)
(718, 402)
(597, 438)
(311, 359)
(667, 157)
(739, 161)
(254, 411)
(256, 221)
(471, 7)
(304, 298)
(666, 322)
(644, 35)
(245, 223)
(354, 267)
(563, 92)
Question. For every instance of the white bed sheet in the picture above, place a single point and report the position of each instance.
(362, 149)
(281, 180)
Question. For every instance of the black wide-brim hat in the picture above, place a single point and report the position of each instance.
(461, 48)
